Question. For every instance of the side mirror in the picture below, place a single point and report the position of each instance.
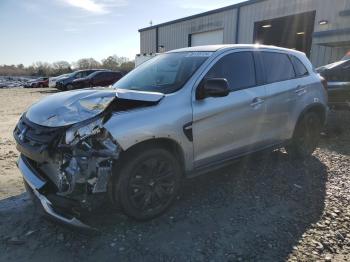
(213, 87)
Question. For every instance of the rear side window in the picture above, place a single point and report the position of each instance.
(237, 68)
(299, 67)
(277, 66)
(86, 73)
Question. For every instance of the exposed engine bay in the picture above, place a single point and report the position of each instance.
(77, 160)
(85, 155)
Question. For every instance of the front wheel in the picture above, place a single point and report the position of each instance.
(306, 136)
(148, 183)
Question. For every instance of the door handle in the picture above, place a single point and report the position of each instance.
(257, 101)
(300, 90)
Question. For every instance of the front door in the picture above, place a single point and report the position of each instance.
(225, 127)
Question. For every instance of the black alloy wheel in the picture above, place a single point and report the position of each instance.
(148, 183)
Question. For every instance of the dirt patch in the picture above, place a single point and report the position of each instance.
(262, 208)
(13, 103)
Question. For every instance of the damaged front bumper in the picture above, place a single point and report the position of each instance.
(36, 186)
(68, 170)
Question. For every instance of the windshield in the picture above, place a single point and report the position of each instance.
(166, 73)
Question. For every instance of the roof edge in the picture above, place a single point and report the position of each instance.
(235, 6)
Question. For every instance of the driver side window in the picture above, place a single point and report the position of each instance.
(237, 68)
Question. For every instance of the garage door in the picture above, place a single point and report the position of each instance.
(208, 38)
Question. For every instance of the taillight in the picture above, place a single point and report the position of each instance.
(324, 83)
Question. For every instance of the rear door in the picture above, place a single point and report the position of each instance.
(280, 85)
(99, 79)
(225, 127)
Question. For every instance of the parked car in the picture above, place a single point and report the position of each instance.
(177, 115)
(53, 80)
(338, 77)
(39, 82)
(99, 78)
(66, 83)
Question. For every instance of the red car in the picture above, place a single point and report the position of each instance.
(39, 82)
(99, 78)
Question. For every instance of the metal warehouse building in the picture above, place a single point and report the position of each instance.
(320, 28)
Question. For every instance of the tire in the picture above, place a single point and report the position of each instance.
(148, 182)
(41, 86)
(306, 136)
(69, 87)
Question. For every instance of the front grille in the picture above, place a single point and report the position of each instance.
(36, 139)
(34, 134)
(38, 143)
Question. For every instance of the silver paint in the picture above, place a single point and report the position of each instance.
(244, 121)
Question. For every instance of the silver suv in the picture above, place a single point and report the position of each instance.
(177, 115)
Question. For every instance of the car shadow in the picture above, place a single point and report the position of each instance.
(336, 136)
(255, 209)
(41, 91)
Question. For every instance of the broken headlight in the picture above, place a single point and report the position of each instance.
(83, 130)
(97, 104)
(91, 126)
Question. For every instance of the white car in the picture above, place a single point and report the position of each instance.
(53, 80)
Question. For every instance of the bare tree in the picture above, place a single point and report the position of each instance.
(87, 63)
(113, 62)
(61, 67)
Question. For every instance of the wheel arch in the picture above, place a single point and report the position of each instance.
(317, 108)
(165, 143)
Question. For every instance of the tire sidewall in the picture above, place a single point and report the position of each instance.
(298, 148)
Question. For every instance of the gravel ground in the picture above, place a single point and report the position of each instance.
(261, 208)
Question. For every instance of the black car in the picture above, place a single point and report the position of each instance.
(338, 78)
(66, 83)
(99, 78)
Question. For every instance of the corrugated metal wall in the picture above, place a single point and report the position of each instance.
(148, 41)
(173, 36)
(321, 52)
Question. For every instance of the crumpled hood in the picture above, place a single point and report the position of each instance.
(67, 108)
(330, 66)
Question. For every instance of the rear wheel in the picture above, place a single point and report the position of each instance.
(306, 136)
(148, 183)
